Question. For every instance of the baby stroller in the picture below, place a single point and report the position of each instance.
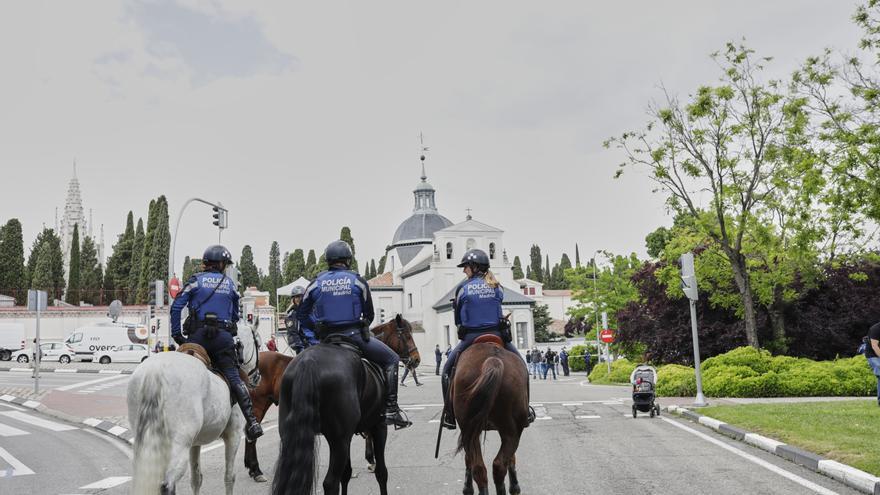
(644, 380)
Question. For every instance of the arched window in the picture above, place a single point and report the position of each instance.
(471, 244)
(449, 250)
(491, 250)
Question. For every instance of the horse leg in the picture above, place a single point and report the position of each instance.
(261, 405)
(346, 476)
(468, 480)
(504, 460)
(514, 480)
(368, 453)
(380, 436)
(340, 456)
(195, 469)
(231, 440)
(176, 469)
(478, 469)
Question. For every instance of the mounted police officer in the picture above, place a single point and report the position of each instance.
(298, 336)
(212, 299)
(339, 302)
(477, 306)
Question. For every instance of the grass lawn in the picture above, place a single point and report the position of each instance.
(845, 431)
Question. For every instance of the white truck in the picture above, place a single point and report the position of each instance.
(12, 339)
(90, 340)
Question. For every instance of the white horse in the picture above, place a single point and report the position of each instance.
(175, 406)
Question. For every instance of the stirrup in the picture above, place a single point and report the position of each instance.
(397, 418)
(532, 415)
(447, 420)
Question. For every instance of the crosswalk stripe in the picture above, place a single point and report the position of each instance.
(107, 483)
(33, 420)
(9, 431)
(18, 469)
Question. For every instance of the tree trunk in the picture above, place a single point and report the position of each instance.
(776, 312)
(743, 283)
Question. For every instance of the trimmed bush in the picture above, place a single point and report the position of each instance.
(620, 371)
(576, 358)
(748, 372)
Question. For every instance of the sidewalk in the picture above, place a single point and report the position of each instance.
(688, 402)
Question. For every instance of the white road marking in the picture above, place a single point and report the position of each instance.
(107, 483)
(544, 418)
(219, 443)
(9, 431)
(66, 370)
(412, 408)
(35, 421)
(31, 404)
(7, 398)
(18, 469)
(587, 417)
(761, 462)
(569, 404)
(92, 421)
(90, 382)
(116, 430)
(434, 421)
(10, 406)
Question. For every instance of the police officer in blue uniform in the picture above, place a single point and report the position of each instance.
(299, 336)
(339, 302)
(212, 299)
(477, 306)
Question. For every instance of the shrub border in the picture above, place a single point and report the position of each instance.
(848, 475)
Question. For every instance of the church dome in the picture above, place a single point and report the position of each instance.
(421, 225)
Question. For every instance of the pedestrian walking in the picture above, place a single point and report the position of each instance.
(406, 369)
(529, 361)
(539, 365)
(872, 352)
(549, 358)
(563, 360)
(588, 361)
(438, 356)
(555, 363)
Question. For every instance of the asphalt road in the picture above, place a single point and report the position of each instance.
(585, 441)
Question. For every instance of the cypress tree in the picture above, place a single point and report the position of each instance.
(187, 269)
(250, 276)
(577, 256)
(129, 285)
(381, 268)
(42, 272)
(517, 268)
(274, 275)
(345, 235)
(13, 275)
(547, 276)
(73, 275)
(322, 265)
(285, 268)
(373, 272)
(535, 256)
(311, 265)
(529, 272)
(56, 261)
(143, 281)
(296, 265)
(161, 243)
(118, 267)
(91, 273)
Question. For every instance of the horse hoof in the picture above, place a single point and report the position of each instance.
(260, 478)
(467, 491)
(514, 490)
(371, 468)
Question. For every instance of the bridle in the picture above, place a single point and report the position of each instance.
(407, 354)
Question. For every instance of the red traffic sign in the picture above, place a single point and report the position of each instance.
(174, 287)
(606, 336)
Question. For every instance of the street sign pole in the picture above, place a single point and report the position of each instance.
(689, 286)
(37, 301)
(607, 346)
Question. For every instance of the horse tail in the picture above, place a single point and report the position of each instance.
(480, 397)
(299, 422)
(152, 443)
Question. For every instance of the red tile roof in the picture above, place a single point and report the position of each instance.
(384, 280)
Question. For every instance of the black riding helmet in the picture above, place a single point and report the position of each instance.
(217, 254)
(338, 252)
(476, 258)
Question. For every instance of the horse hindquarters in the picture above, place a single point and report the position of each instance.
(146, 407)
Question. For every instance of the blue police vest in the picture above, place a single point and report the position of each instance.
(197, 296)
(478, 304)
(336, 298)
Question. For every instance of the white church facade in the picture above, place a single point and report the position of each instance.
(422, 274)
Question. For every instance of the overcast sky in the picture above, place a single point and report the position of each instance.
(302, 117)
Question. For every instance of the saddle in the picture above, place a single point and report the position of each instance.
(199, 352)
(488, 338)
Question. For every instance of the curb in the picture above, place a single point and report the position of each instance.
(70, 370)
(848, 475)
(107, 427)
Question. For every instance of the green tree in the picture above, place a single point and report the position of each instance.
(728, 142)
(296, 266)
(137, 254)
(656, 241)
(13, 275)
(577, 256)
(187, 269)
(154, 259)
(311, 265)
(250, 276)
(274, 275)
(529, 272)
(119, 263)
(72, 295)
(382, 264)
(91, 273)
(612, 291)
(142, 284)
(537, 273)
(546, 277)
(43, 278)
(517, 268)
(54, 263)
(345, 235)
(542, 320)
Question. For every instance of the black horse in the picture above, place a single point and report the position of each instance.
(328, 390)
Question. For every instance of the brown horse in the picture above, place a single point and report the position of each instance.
(273, 364)
(490, 392)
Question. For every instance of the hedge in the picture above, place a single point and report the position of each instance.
(620, 371)
(576, 358)
(749, 372)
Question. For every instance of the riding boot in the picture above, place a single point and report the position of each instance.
(393, 414)
(532, 415)
(447, 418)
(252, 430)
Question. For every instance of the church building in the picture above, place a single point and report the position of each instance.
(422, 274)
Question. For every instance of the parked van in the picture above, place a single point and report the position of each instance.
(11, 339)
(87, 341)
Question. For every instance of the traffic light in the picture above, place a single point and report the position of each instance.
(689, 277)
(152, 312)
(381, 315)
(219, 217)
(152, 296)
